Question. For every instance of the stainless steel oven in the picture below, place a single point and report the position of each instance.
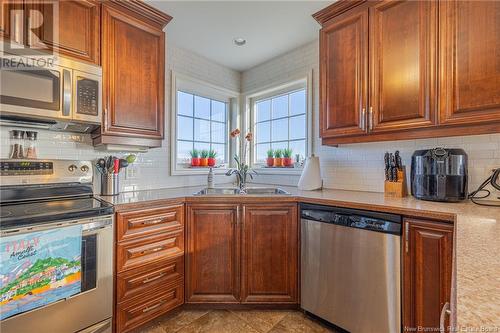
(90, 310)
(41, 197)
(52, 91)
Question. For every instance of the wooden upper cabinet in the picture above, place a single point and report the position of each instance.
(427, 269)
(213, 254)
(270, 254)
(432, 68)
(78, 31)
(133, 61)
(10, 20)
(344, 74)
(403, 65)
(470, 53)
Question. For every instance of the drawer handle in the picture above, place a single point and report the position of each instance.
(152, 222)
(444, 311)
(152, 307)
(156, 249)
(153, 278)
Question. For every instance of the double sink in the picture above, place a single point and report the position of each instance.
(247, 191)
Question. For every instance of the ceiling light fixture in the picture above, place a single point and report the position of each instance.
(239, 41)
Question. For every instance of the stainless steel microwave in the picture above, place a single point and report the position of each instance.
(62, 94)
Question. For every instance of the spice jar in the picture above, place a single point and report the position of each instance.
(17, 137)
(31, 144)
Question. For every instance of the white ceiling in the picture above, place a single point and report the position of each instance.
(271, 28)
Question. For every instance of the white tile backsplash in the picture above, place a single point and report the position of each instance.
(153, 167)
(360, 166)
(353, 166)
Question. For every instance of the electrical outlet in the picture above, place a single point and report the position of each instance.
(131, 172)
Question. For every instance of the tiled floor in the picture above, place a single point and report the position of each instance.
(235, 321)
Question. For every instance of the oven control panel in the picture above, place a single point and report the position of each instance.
(30, 172)
(25, 168)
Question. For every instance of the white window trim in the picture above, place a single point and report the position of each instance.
(198, 87)
(276, 89)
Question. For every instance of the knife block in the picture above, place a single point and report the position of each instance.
(397, 189)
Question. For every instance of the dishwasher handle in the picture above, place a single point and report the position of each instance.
(352, 221)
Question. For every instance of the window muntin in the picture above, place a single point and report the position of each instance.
(280, 122)
(202, 123)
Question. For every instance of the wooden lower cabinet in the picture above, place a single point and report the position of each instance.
(149, 251)
(138, 281)
(212, 258)
(427, 267)
(131, 314)
(269, 254)
(261, 239)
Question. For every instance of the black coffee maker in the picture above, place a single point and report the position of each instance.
(439, 174)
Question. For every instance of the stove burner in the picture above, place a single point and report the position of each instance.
(59, 206)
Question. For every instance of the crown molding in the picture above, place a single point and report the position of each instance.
(335, 9)
(141, 8)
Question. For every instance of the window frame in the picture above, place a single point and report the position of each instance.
(200, 88)
(275, 90)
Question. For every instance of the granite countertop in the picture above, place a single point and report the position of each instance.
(475, 293)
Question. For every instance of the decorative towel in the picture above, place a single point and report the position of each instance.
(39, 268)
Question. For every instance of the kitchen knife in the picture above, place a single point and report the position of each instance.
(399, 162)
(394, 169)
(391, 167)
(387, 163)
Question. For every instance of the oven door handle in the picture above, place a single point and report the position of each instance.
(67, 91)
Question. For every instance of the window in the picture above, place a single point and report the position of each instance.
(201, 125)
(201, 117)
(280, 122)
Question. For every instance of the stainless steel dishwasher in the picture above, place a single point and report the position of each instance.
(350, 268)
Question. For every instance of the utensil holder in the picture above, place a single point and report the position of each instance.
(110, 184)
(396, 189)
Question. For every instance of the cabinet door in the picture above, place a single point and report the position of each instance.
(270, 254)
(403, 65)
(213, 256)
(470, 49)
(78, 30)
(343, 75)
(12, 21)
(426, 272)
(133, 74)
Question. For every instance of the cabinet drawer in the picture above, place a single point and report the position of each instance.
(140, 223)
(138, 253)
(134, 313)
(142, 280)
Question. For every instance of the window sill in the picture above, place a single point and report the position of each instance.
(185, 171)
(278, 171)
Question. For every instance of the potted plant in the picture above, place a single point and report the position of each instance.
(287, 157)
(195, 157)
(278, 158)
(212, 154)
(270, 158)
(204, 158)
